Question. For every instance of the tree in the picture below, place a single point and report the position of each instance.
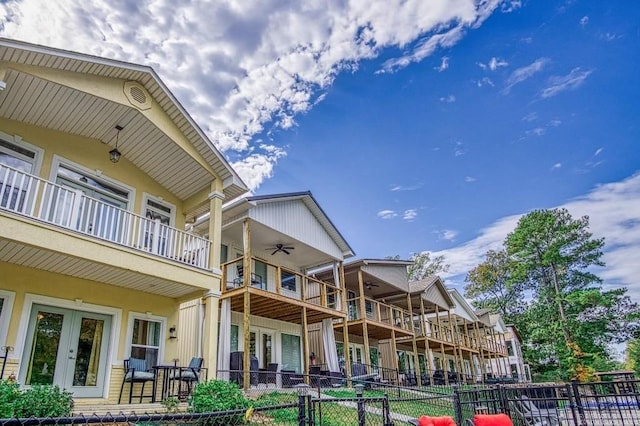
(489, 286)
(424, 266)
(552, 252)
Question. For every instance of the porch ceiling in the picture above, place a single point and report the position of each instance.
(53, 106)
(56, 262)
(263, 241)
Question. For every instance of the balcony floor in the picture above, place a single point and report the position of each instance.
(269, 305)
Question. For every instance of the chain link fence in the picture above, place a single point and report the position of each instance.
(373, 403)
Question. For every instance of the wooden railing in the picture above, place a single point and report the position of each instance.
(36, 198)
(282, 281)
(379, 312)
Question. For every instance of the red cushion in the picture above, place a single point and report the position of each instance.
(492, 420)
(436, 421)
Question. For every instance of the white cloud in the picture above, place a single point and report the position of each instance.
(558, 84)
(444, 64)
(493, 64)
(448, 99)
(510, 6)
(242, 68)
(538, 131)
(556, 166)
(598, 151)
(447, 234)
(395, 188)
(459, 150)
(524, 73)
(469, 179)
(485, 81)
(410, 214)
(387, 214)
(554, 123)
(584, 21)
(532, 116)
(613, 210)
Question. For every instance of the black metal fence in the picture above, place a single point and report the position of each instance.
(376, 403)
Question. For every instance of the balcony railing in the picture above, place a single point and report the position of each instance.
(282, 281)
(36, 198)
(379, 312)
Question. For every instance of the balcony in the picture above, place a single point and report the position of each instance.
(269, 282)
(70, 209)
(380, 317)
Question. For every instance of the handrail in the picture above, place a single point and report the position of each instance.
(39, 199)
(282, 281)
(380, 312)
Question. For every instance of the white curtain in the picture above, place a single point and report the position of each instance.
(224, 340)
(329, 343)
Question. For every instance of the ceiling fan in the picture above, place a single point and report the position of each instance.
(370, 285)
(281, 247)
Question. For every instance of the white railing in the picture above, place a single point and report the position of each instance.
(37, 198)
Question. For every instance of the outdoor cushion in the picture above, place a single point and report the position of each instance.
(436, 421)
(492, 420)
(139, 375)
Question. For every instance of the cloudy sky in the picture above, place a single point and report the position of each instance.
(418, 125)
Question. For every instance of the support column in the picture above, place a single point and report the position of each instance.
(210, 330)
(305, 343)
(246, 273)
(216, 197)
(363, 317)
(345, 329)
(416, 358)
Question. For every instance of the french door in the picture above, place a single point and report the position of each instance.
(67, 348)
(261, 345)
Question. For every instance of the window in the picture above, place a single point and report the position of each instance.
(161, 216)
(23, 158)
(145, 338)
(288, 281)
(510, 348)
(514, 370)
(101, 208)
(291, 353)
(234, 338)
(368, 307)
(224, 253)
(6, 305)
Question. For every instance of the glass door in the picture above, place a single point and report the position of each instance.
(67, 348)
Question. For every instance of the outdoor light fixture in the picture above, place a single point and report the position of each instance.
(173, 333)
(114, 154)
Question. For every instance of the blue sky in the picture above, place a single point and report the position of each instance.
(418, 125)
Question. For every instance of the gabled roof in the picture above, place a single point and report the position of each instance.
(433, 290)
(462, 306)
(93, 116)
(242, 205)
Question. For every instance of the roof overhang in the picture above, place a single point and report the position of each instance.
(88, 96)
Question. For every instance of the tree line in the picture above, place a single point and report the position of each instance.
(543, 280)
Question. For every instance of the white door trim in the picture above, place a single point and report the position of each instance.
(76, 305)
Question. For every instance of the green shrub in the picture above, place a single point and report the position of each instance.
(43, 401)
(219, 395)
(9, 394)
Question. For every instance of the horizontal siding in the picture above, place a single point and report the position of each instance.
(394, 275)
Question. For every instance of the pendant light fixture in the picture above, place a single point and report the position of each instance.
(114, 154)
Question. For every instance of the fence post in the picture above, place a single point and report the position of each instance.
(502, 398)
(576, 397)
(361, 408)
(457, 406)
(572, 404)
(386, 415)
(303, 391)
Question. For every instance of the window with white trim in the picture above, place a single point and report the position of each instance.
(6, 306)
(146, 338)
(19, 159)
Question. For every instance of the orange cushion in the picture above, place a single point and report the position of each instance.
(492, 420)
(436, 421)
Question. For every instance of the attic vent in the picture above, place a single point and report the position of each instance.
(137, 95)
